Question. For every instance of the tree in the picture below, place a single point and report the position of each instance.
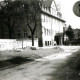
(8, 14)
(29, 9)
(32, 16)
(69, 32)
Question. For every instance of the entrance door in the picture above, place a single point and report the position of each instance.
(40, 42)
(57, 39)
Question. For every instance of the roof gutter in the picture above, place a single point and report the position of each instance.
(52, 16)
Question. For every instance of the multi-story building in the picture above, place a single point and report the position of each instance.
(50, 24)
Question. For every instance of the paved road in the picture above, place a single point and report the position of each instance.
(40, 69)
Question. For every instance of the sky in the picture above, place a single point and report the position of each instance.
(67, 13)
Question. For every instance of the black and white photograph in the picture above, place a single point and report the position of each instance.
(39, 39)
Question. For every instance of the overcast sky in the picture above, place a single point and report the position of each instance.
(67, 12)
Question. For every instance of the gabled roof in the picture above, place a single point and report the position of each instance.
(48, 3)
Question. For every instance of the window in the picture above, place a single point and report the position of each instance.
(18, 33)
(44, 31)
(25, 33)
(50, 42)
(52, 32)
(45, 43)
(47, 31)
(44, 18)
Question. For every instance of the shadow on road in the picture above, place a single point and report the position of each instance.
(14, 61)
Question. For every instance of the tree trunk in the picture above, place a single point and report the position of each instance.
(32, 39)
(22, 44)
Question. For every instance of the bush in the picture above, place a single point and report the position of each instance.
(34, 48)
(66, 42)
(75, 42)
(72, 42)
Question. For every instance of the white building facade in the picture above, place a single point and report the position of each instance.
(52, 23)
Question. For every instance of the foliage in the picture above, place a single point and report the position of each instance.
(70, 33)
(28, 9)
(33, 17)
(75, 42)
(67, 42)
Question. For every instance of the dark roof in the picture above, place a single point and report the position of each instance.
(48, 2)
(59, 34)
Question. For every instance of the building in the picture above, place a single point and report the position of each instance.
(49, 25)
(52, 23)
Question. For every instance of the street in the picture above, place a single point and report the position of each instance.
(40, 69)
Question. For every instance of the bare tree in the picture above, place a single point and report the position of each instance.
(33, 16)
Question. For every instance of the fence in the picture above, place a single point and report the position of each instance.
(9, 44)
